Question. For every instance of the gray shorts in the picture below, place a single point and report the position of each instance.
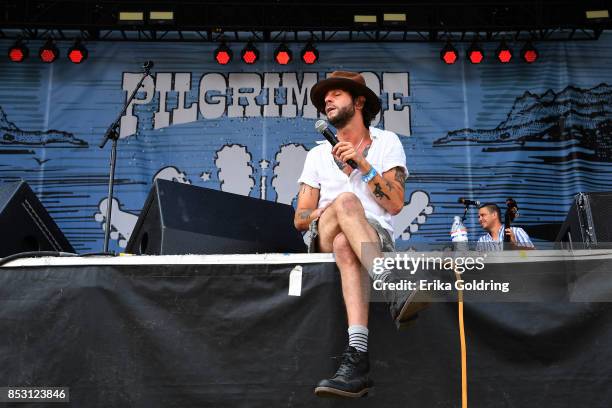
(386, 240)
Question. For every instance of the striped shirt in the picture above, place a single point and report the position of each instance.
(486, 242)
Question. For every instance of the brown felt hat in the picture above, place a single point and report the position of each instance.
(349, 81)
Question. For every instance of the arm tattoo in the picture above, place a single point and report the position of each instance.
(378, 192)
(340, 164)
(400, 175)
(366, 150)
(305, 214)
(306, 188)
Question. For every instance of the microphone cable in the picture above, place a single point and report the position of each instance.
(55, 254)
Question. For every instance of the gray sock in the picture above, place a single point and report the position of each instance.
(358, 337)
(383, 276)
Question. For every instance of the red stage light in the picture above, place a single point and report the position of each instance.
(77, 53)
(503, 52)
(223, 54)
(450, 57)
(18, 52)
(47, 56)
(448, 54)
(250, 54)
(475, 53)
(76, 56)
(223, 57)
(48, 52)
(529, 54)
(309, 57)
(283, 55)
(504, 56)
(16, 55)
(250, 57)
(309, 54)
(476, 57)
(283, 58)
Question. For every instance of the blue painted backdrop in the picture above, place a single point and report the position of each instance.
(539, 133)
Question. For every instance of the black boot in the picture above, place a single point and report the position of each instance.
(351, 380)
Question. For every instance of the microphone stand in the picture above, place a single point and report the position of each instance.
(112, 133)
(465, 211)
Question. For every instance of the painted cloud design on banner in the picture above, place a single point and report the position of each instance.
(122, 221)
(235, 173)
(286, 172)
(171, 173)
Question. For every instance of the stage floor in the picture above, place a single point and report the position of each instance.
(260, 330)
(284, 259)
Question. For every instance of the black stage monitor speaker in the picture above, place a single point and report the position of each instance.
(184, 219)
(545, 232)
(589, 221)
(25, 225)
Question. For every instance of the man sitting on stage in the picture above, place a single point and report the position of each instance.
(353, 207)
(489, 217)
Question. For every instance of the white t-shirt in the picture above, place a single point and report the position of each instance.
(322, 172)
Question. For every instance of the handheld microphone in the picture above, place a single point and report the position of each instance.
(322, 128)
(467, 202)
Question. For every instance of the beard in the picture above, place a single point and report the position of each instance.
(343, 116)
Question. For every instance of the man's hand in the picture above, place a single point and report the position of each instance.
(515, 244)
(316, 214)
(308, 215)
(510, 234)
(344, 151)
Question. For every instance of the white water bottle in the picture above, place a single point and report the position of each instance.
(458, 231)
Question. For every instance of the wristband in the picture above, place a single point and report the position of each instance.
(369, 175)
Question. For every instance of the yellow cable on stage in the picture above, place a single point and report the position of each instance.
(464, 386)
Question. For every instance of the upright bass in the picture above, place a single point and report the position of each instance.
(510, 215)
